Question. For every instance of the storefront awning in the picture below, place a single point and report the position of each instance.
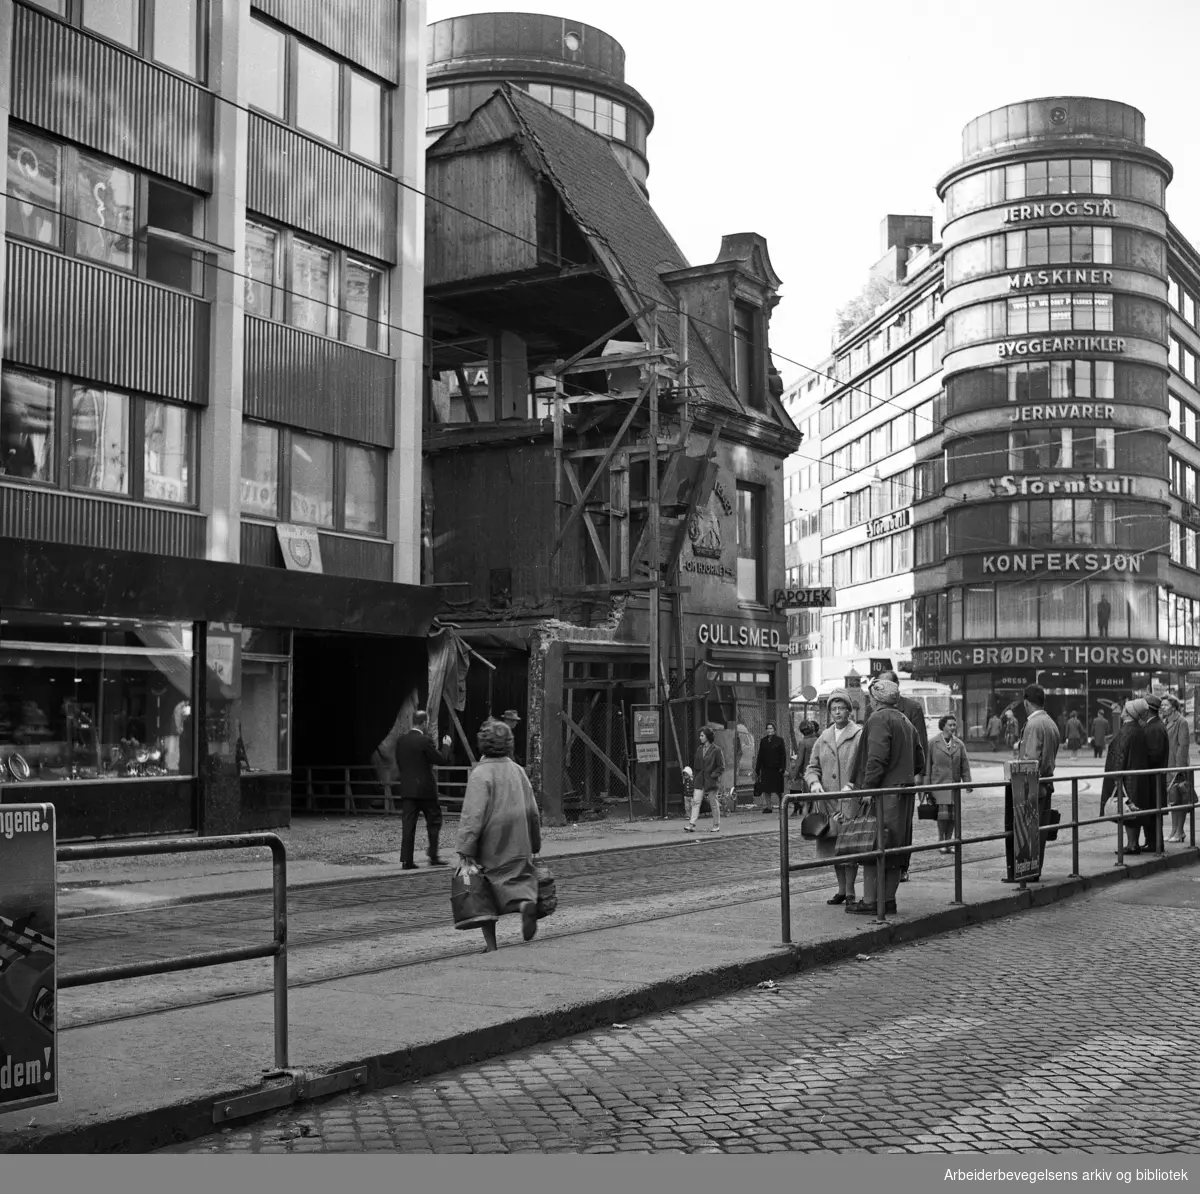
(61, 578)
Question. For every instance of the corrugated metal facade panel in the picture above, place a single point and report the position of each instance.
(311, 186)
(302, 380)
(88, 91)
(57, 517)
(363, 31)
(68, 316)
(496, 184)
(340, 556)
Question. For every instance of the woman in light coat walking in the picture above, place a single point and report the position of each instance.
(500, 830)
(948, 764)
(1179, 783)
(828, 772)
(708, 769)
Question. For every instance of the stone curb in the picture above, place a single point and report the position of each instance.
(181, 1122)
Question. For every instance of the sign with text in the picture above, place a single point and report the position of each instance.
(1040, 344)
(1145, 655)
(647, 723)
(1023, 777)
(722, 634)
(821, 597)
(1085, 485)
(28, 1047)
(647, 752)
(301, 548)
(1104, 209)
(879, 666)
(1079, 412)
(887, 523)
(1047, 563)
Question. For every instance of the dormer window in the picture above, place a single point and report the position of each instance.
(747, 354)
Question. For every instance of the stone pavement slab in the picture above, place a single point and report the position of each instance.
(143, 1082)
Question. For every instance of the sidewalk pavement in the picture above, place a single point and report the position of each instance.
(141, 1083)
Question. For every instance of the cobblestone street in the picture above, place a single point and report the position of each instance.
(1064, 1029)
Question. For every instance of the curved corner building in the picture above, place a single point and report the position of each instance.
(576, 68)
(1064, 547)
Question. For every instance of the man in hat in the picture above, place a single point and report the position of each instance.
(1158, 754)
(1039, 740)
(916, 718)
(512, 718)
(416, 757)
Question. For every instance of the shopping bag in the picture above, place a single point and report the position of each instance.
(857, 836)
(547, 891)
(1051, 817)
(471, 901)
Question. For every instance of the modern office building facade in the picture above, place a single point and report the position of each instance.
(212, 249)
(1042, 509)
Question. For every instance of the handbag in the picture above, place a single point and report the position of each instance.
(471, 901)
(927, 810)
(1052, 817)
(547, 891)
(814, 825)
(858, 835)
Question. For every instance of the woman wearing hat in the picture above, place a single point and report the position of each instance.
(1126, 752)
(828, 772)
(1179, 783)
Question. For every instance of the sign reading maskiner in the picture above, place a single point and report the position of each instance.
(1024, 348)
(1104, 208)
(1061, 561)
(1060, 277)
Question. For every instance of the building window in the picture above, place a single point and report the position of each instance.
(263, 720)
(105, 212)
(169, 32)
(746, 353)
(316, 287)
(1062, 522)
(751, 557)
(100, 699)
(311, 90)
(1060, 312)
(318, 480)
(1079, 176)
(594, 111)
(1058, 246)
(437, 112)
(96, 440)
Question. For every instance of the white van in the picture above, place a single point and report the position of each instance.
(935, 699)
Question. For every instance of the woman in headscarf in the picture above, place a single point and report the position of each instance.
(1179, 785)
(500, 830)
(1126, 752)
(828, 772)
(888, 759)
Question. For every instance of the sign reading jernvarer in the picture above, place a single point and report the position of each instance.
(28, 1049)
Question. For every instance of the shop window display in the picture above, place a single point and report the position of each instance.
(95, 698)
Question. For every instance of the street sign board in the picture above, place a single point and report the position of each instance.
(879, 666)
(1023, 776)
(647, 724)
(28, 1048)
(647, 752)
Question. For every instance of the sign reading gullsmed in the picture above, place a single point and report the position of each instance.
(28, 1053)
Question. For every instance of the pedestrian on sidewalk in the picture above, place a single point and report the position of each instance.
(770, 763)
(948, 764)
(809, 732)
(416, 757)
(500, 830)
(1100, 733)
(916, 718)
(995, 731)
(1158, 753)
(1075, 734)
(828, 772)
(888, 757)
(1040, 741)
(1126, 752)
(1179, 783)
(708, 767)
(1011, 729)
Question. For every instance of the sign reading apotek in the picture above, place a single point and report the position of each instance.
(28, 1052)
(803, 598)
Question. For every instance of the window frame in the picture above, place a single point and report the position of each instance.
(337, 312)
(283, 470)
(291, 84)
(64, 386)
(758, 531)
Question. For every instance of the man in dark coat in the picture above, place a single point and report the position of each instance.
(916, 717)
(1158, 754)
(416, 757)
(889, 756)
(769, 766)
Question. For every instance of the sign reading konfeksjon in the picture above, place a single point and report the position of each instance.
(1006, 562)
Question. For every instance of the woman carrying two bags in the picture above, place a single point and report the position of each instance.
(828, 772)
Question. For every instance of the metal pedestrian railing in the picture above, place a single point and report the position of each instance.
(877, 856)
(350, 789)
(277, 948)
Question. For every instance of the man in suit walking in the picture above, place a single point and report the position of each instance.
(416, 757)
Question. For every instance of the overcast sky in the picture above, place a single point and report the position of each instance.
(808, 122)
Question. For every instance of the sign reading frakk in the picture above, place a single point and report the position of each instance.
(789, 599)
(28, 1049)
(1034, 486)
(1071, 655)
(722, 634)
(887, 523)
(1039, 344)
(1105, 209)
